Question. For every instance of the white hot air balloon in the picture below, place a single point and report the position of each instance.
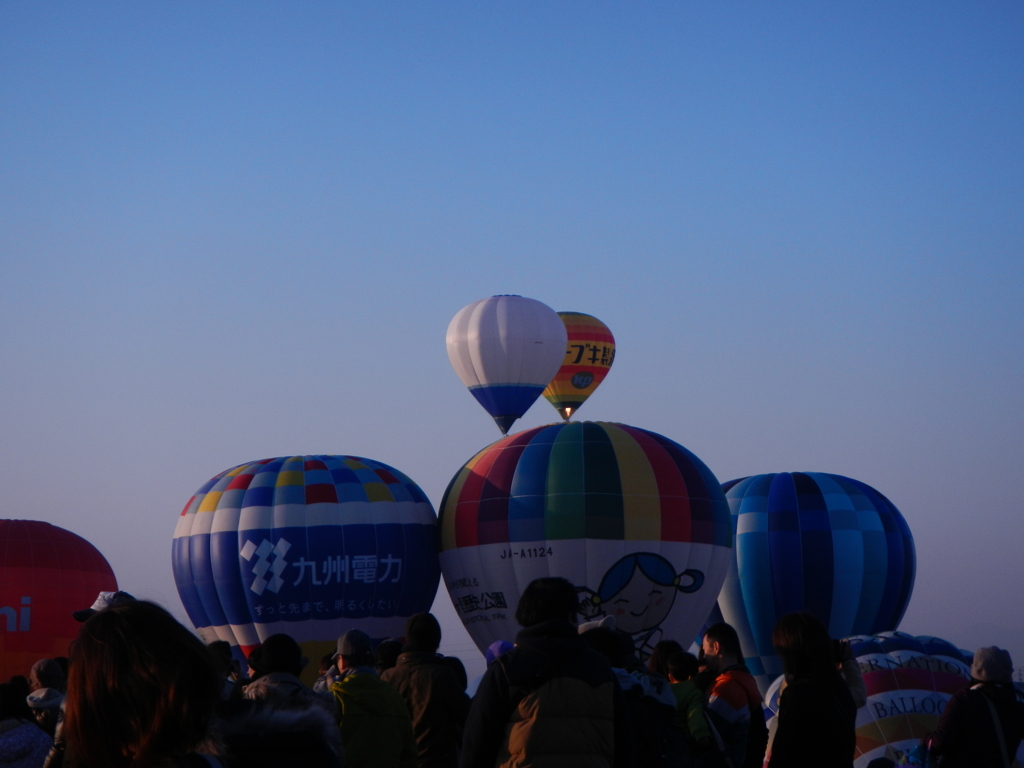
(506, 349)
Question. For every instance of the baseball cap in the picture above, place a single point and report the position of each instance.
(353, 643)
(103, 601)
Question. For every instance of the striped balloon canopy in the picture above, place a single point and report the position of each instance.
(590, 352)
(909, 681)
(306, 545)
(634, 520)
(809, 541)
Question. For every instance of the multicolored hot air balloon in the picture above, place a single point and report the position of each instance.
(588, 357)
(809, 541)
(637, 522)
(506, 349)
(307, 545)
(909, 680)
(46, 573)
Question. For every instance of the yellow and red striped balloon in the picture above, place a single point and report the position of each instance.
(589, 354)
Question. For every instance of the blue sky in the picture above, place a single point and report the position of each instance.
(240, 230)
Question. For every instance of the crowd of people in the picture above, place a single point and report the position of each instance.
(139, 690)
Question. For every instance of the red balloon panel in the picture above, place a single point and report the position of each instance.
(46, 573)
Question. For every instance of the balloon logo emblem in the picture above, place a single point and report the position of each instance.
(582, 380)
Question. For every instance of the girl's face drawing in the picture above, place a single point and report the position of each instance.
(641, 604)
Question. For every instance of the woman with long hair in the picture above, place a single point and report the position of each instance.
(816, 711)
(141, 691)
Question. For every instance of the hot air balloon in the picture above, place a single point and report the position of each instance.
(306, 545)
(46, 573)
(909, 680)
(809, 541)
(634, 520)
(589, 355)
(506, 349)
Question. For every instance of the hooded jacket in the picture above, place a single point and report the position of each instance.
(285, 691)
(439, 705)
(22, 744)
(551, 702)
(376, 727)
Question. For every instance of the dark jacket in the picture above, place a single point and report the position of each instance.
(966, 734)
(438, 703)
(550, 702)
(816, 726)
(255, 734)
(285, 691)
(376, 727)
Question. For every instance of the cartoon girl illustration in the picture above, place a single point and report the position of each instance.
(639, 591)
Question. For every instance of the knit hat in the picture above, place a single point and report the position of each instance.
(103, 600)
(496, 649)
(992, 665)
(422, 632)
(355, 642)
(279, 653)
(47, 674)
(45, 698)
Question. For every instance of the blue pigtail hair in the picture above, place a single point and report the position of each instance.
(654, 567)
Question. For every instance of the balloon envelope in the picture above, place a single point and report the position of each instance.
(909, 681)
(506, 349)
(46, 573)
(306, 545)
(810, 541)
(635, 521)
(589, 354)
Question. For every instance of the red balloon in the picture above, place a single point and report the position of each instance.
(45, 574)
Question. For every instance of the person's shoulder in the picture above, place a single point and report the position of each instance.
(724, 681)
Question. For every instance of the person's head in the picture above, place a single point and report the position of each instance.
(221, 651)
(992, 665)
(354, 650)
(21, 683)
(545, 599)
(681, 667)
(46, 673)
(720, 647)
(386, 654)
(454, 663)
(422, 633)
(606, 642)
(663, 651)
(13, 704)
(803, 645)
(326, 662)
(278, 653)
(142, 688)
